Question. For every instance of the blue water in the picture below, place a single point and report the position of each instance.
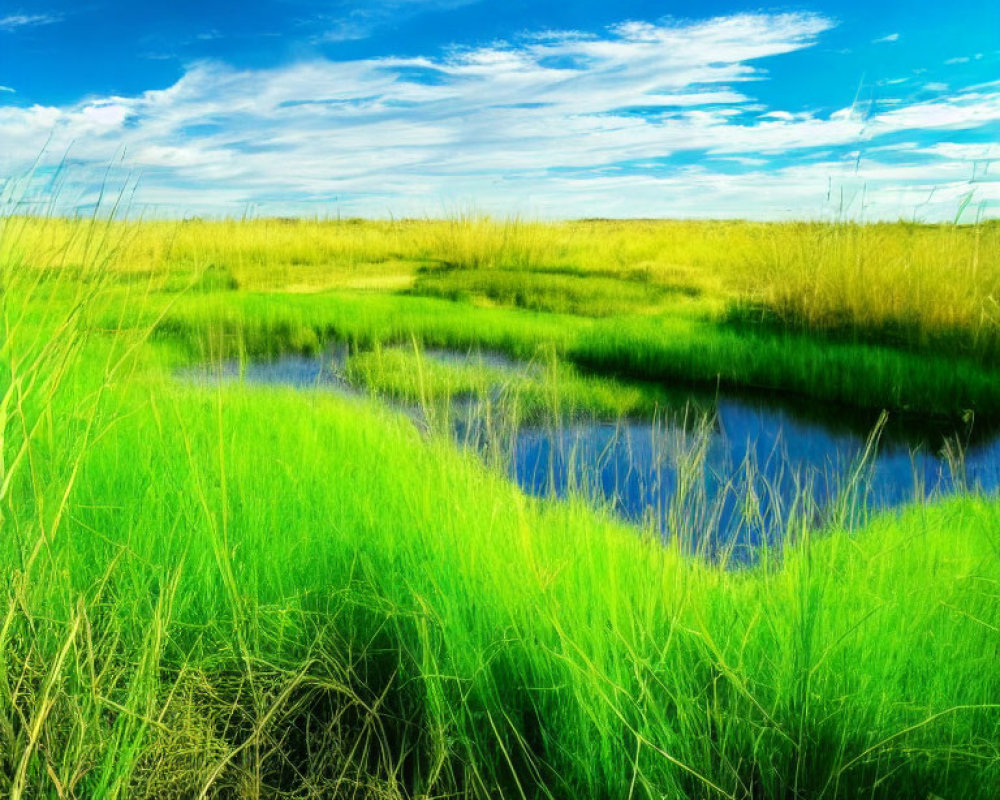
(759, 467)
(762, 471)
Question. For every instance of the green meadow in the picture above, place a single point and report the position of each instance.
(232, 590)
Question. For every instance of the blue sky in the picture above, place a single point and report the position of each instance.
(543, 109)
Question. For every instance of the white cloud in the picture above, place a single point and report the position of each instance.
(104, 115)
(7, 89)
(892, 37)
(168, 156)
(962, 152)
(13, 22)
(543, 125)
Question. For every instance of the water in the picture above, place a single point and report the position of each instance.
(298, 371)
(756, 473)
(759, 467)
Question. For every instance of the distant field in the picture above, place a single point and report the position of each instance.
(246, 591)
(740, 303)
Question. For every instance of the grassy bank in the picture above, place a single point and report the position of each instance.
(249, 606)
(238, 592)
(675, 349)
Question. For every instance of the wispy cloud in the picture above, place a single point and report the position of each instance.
(888, 39)
(640, 119)
(13, 22)
(7, 89)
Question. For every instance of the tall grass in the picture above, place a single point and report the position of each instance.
(502, 645)
(229, 592)
(926, 288)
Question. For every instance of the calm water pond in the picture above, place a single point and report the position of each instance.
(761, 465)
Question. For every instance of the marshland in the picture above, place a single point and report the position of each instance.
(487, 507)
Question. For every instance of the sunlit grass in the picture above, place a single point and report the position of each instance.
(249, 592)
(542, 389)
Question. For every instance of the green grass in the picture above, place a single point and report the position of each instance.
(851, 374)
(254, 592)
(678, 349)
(216, 558)
(543, 390)
(265, 324)
(586, 295)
